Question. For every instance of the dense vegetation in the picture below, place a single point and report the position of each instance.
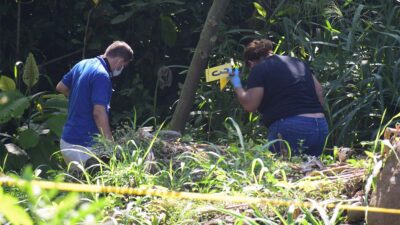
(353, 47)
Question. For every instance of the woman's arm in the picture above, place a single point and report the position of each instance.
(250, 99)
(318, 90)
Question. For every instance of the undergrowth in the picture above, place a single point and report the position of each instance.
(242, 168)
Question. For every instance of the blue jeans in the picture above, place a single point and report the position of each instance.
(304, 134)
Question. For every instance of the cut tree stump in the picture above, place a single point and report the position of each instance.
(387, 193)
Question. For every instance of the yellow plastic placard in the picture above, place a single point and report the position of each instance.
(218, 72)
(223, 82)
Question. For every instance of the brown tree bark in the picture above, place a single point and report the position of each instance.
(387, 191)
(208, 37)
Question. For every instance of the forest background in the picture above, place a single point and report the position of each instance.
(352, 47)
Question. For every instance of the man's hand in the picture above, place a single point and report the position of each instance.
(235, 79)
(101, 119)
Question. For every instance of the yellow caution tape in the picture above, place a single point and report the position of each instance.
(8, 181)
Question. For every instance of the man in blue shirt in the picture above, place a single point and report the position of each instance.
(88, 88)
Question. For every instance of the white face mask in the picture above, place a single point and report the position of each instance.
(116, 73)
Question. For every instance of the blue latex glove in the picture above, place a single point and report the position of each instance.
(234, 78)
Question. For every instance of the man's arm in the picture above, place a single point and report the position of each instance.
(250, 99)
(62, 88)
(318, 90)
(101, 118)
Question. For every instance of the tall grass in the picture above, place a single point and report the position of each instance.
(353, 49)
(242, 168)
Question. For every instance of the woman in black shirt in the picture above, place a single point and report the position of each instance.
(287, 94)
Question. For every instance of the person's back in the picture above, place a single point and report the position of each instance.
(88, 88)
(90, 84)
(289, 97)
(288, 88)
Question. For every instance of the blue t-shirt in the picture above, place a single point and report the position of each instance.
(89, 83)
(289, 88)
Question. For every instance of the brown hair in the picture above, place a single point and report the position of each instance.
(257, 49)
(119, 49)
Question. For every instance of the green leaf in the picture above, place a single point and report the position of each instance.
(238, 216)
(172, 2)
(96, 2)
(369, 154)
(335, 152)
(122, 18)
(12, 211)
(12, 157)
(6, 83)
(31, 71)
(393, 35)
(330, 28)
(260, 9)
(169, 30)
(354, 27)
(56, 123)
(56, 102)
(43, 152)
(12, 105)
(28, 139)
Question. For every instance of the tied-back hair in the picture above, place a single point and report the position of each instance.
(257, 49)
(119, 49)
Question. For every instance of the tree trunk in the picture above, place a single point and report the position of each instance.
(387, 191)
(208, 37)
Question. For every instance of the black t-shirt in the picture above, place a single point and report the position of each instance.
(289, 88)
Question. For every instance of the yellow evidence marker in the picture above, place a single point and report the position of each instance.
(220, 73)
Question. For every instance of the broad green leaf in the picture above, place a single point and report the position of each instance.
(12, 157)
(12, 211)
(56, 123)
(6, 83)
(43, 152)
(14, 149)
(393, 35)
(122, 18)
(12, 105)
(168, 30)
(354, 27)
(31, 71)
(28, 139)
(347, 3)
(56, 103)
(260, 9)
(172, 2)
(95, 2)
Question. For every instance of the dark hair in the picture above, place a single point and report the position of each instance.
(257, 49)
(119, 49)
